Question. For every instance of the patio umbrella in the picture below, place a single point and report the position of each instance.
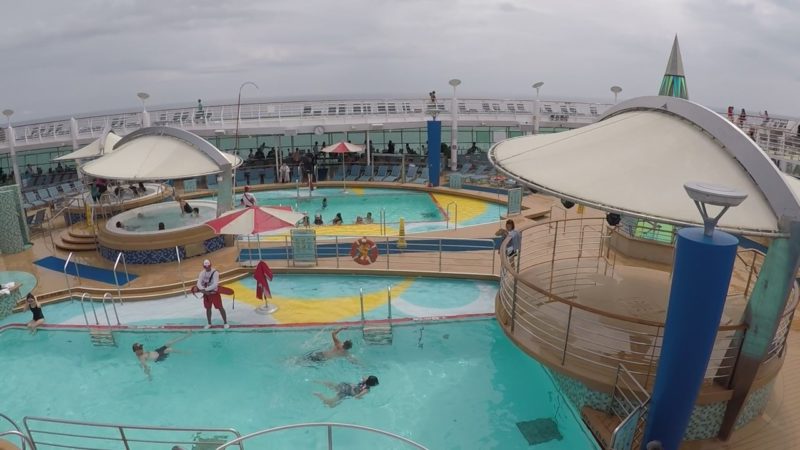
(254, 220)
(342, 148)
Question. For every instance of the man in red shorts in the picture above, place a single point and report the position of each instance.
(207, 283)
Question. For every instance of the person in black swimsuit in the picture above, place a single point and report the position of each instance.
(160, 354)
(344, 390)
(38, 317)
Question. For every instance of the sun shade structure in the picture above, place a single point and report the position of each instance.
(636, 159)
(341, 148)
(99, 147)
(160, 153)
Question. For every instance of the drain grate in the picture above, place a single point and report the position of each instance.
(539, 431)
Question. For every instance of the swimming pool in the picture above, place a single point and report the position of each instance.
(421, 210)
(446, 385)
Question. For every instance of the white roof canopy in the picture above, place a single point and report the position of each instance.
(94, 149)
(636, 160)
(159, 153)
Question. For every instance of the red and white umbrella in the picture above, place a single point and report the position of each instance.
(342, 148)
(255, 220)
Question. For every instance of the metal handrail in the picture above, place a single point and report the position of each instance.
(113, 306)
(17, 428)
(447, 211)
(94, 312)
(121, 255)
(66, 275)
(542, 306)
(121, 429)
(329, 427)
(23, 438)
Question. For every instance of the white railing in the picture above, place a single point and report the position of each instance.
(329, 427)
(59, 433)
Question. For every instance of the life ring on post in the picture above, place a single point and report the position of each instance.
(364, 251)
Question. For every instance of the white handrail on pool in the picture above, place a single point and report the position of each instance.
(94, 312)
(180, 272)
(110, 297)
(25, 439)
(329, 426)
(127, 276)
(447, 211)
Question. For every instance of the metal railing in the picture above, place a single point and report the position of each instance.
(17, 432)
(543, 302)
(329, 427)
(66, 275)
(121, 256)
(180, 271)
(447, 213)
(427, 254)
(106, 297)
(629, 402)
(59, 433)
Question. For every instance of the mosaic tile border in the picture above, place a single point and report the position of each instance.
(162, 255)
(704, 422)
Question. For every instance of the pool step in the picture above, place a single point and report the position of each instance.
(601, 424)
(378, 335)
(102, 337)
(74, 247)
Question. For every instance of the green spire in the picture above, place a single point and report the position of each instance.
(674, 82)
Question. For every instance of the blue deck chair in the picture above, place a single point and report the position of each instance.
(465, 168)
(32, 200)
(45, 195)
(481, 173)
(382, 172)
(423, 176)
(411, 173)
(67, 189)
(54, 194)
(369, 171)
(393, 175)
(355, 172)
(337, 174)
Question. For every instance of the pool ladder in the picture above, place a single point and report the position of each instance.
(378, 333)
(101, 335)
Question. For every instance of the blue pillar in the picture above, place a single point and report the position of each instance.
(700, 279)
(434, 150)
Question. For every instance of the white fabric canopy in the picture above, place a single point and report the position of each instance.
(92, 150)
(155, 157)
(636, 163)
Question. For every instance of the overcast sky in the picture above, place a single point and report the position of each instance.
(69, 57)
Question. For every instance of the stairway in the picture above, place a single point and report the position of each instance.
(378, 334)
(601, 424)
(102, 337)
(77, 238)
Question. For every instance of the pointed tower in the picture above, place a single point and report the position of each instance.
(674, 82)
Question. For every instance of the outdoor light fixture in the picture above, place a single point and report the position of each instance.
(712, 194)
(567, 204)
(613, 219)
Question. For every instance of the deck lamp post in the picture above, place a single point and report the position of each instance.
(11, 147)
(701, 274)
(538, 85)
(616, 90)
(143, 96)
(454, 127)
(238, 115)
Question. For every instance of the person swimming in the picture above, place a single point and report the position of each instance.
(324, 202)
(339, 349)
(160, 354)
(345, 390)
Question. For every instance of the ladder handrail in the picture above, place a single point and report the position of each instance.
(361, 296)
(389, 296)
(447, 211)
(94, 312)
(127, 276)
(26, 441)
(180, 272)
(108, 295)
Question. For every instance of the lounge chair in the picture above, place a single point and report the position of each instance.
(338, 174)
(355, 172)
(382, 172)
(465, 168)
(367, 175)
(394, 175)
(54, 194)
(37, 221)
(32, 201)
(45, 195)
(481, 173)
(423, 176)
(67, 189)
(411, 173)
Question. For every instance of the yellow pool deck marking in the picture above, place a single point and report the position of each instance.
(336, 309)
(468, 208)
(373, 229)
(357, 190)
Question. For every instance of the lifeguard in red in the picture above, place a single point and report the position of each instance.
(208, 284)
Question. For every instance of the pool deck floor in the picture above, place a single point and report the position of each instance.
(778, 428)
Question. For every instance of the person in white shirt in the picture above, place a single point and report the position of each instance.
(248, 199)
(284, 173)
(207, 283)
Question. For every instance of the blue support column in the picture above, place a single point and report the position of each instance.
(434, 151)
(700, 279)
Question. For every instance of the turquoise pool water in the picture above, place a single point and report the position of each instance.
(413, 206)
(456, 385)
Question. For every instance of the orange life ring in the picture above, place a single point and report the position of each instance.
(364, 251)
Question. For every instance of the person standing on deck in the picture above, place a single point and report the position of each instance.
(207, 283)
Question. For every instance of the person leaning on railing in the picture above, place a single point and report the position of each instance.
(514, 239)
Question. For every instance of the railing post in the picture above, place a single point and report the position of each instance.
(123, 438)
(336, 245)
(652, 357)
(440, 255)
(387, 252)
(361, 297)
(552, 260)
(389, 297)
(330, 437)
(285, 245)
(513, 301)
(566, 337)
(180, 272)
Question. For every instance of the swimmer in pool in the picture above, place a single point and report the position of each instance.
(344, 390)
(339, 349)
(160, 354)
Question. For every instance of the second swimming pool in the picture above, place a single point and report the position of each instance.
(446, 385)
